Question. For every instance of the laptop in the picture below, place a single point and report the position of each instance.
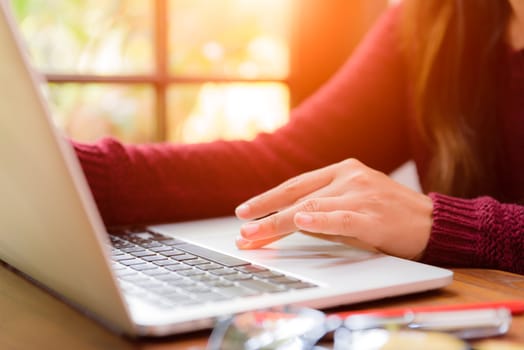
(163, 279)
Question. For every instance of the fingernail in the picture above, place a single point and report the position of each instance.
(242, 243)
(250, 229)
(303, 219)
(242, 210)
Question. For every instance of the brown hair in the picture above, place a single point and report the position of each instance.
(456, 49)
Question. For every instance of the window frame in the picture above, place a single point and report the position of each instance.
(161, 79)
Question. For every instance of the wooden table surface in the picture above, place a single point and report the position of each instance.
(32, 319)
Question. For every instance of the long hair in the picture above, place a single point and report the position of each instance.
(456, 49)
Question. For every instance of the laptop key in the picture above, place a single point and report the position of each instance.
(284, 279)
(183, 283)
(142, 253)
(236, 291)
(208, 254)
(156, 272)
(197, 261)
(191, 272)
(268, 274)
(163, 289)
(178, 267)
(260, 286)
(135, 277)
(121, 257)
(301, 285)
(210, 266)
(150, 285)
(206, 278)
(198, 289)
(124, 272)
(165, 262)
(169, 277)
(237, 276)
(121, 244)
(225, 271)
(132, 249)
(251, 269)
(149, 244)
(153, 258)
(117, 266)
(160, 249)
(172, 252)
(129, 262)
(221, 283)
(116, 252)
(172, 242)
(168, 240)
(184, 257)
(143, 267)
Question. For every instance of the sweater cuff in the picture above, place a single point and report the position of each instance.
(454, 233)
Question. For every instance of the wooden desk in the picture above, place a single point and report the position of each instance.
(32, 319)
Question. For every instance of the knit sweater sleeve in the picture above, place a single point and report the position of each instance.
(480, 232)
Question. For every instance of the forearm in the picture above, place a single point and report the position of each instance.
(479, 232)
(137, 184)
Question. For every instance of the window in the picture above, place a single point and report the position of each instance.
(155, 70)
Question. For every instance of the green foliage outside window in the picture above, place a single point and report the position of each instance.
(208, 43)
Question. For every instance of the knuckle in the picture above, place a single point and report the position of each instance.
(354, 172)
(361, 178)
(310, 205)
(291, 185)
(272, 223)
(346, 222)
(323, 221)
(351, 163)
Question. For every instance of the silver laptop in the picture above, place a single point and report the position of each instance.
(163, 279)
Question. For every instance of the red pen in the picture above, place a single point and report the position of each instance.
(467, 321)
(516, 307)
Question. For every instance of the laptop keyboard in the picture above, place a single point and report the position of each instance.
(171, 272)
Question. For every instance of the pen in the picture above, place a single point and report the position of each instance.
(466, 321)
(516, 307)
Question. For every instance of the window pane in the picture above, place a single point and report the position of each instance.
(233, 38)
(87, 112)
(96, 36)
(199, 113)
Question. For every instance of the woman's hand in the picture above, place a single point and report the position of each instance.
(346, 199)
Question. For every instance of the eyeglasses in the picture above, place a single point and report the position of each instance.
(295, 328)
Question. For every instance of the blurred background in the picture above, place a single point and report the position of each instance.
(186, 70)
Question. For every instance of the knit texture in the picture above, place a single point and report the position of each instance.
(478, 232)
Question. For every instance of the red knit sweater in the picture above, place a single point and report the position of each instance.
(362, 112)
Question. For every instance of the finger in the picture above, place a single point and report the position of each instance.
(243, 243)
(338, 222)
(271, 227)
(282, 223)
(350, 241)
(284, 194)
